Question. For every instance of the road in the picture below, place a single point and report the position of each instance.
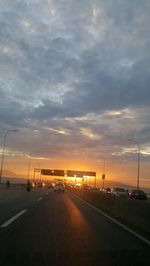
(46, 228)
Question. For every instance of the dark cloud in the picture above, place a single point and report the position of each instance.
(79, 66)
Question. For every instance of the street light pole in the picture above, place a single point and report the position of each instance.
(138, 175)
(30, 156)
(95, 182)
(3, 151)
(104, 163)
(138, 161)
(29, 163)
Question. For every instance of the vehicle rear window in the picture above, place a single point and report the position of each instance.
(59, 184)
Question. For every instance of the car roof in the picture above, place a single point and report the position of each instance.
(59, 184)
(139, 191)
(119, 188)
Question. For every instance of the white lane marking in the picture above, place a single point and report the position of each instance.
(116, 222)
(40, 199)
(13, 218)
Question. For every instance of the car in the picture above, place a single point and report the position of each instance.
(59, 187)
(102, 190)
(148, 196)
(85, 187)
(119, 192)
(50, 185)
(137, 194)
(77, 187)
(39, 184)
(95, 189)
(108, 190)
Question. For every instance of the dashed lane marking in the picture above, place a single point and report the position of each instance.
(12, 219)
(40, 199)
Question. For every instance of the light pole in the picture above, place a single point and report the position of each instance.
(29, 163)
(103, 176)
(30, 156)
(95, 182)
(3, 151)
(138, 161)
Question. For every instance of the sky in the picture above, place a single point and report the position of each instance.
(74, 81)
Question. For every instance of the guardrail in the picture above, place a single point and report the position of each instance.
(12, 186)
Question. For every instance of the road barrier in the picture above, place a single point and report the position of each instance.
(12, 186)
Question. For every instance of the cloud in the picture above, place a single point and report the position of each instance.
(77, 71)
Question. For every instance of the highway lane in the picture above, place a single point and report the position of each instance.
(11, 201)
(61, 230)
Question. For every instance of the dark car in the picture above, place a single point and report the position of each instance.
(108, 190)
(50, 185)
(138, 194)
(119, 192)
(59, 187)
(85, 187)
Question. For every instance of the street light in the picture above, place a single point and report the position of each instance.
(3, 152)
(103, 175)
(138, 160)
(29, 168)
(29, 163)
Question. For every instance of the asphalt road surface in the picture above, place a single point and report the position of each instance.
(59, 229)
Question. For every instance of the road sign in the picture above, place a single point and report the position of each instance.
(74, 173)
(52, 172)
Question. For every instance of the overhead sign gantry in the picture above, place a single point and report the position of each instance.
(67, 173)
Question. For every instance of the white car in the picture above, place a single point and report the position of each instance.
(59, 187)
(119, 192)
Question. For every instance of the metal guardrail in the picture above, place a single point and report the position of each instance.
(12, 186)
